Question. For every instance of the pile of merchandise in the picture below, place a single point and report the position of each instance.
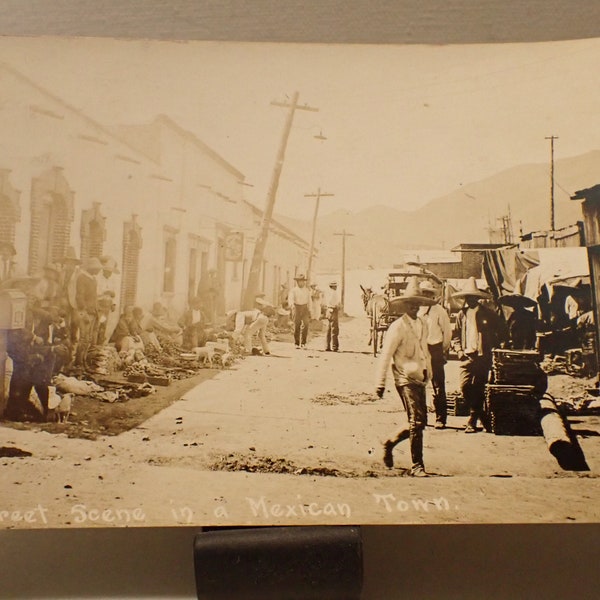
(512, 397)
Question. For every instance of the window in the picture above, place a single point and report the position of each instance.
(170, 261)
(132, 243)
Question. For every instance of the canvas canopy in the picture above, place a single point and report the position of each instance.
(527, 272)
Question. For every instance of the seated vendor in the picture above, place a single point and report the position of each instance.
(159, 323)
(193, 323)
(128, 332)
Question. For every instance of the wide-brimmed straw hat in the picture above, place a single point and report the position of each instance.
(109, 264)
(92, 263)
(52, 268)
(300, 278)
(471, 289)
(413, 294)
(428, 288)
(70, 257)
(517, 301)
(262, 302)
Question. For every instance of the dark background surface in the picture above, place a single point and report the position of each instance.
(503, 561)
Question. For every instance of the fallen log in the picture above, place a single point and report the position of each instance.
(561, 442)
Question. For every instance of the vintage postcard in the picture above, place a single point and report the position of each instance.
(266, 284)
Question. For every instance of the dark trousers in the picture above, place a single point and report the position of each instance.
(333, 330)
(474, 374)
(301, 323)
(87, 324)
(27, 375)
(438, 381)
(413, 399)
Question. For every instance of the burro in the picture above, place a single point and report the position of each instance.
(266, 509)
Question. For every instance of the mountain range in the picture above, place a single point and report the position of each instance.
(382, 235)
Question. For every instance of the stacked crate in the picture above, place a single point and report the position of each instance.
(512, 396)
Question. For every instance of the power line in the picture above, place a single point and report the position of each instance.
(318, 196)
(261, 242)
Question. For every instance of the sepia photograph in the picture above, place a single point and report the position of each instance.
(298, 284)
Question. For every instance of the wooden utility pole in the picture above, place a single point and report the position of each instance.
(261, 242)
(344, 236)
(318, 196)
(551, 138)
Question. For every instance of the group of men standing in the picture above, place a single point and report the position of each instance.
(416, 345)
(304, 300)
(68, 309)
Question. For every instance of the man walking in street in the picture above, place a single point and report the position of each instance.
(299, 300)
(405, 346)
(438, 342)
(332, 310)
(478, 331)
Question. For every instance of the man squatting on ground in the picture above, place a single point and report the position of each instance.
(299, 300)
(332, 312)
(249, 322)
(405, 346)
(478, 331)
(438, 343)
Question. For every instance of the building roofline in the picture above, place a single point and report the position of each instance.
(169, 122)
(278, 225)
(89, 120)
(588, 193)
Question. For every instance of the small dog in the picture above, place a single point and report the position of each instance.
(205, 354)
(63, 410)
(226, 359)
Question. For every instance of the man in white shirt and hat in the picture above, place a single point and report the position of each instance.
(299, 300)
(438, 343)
(332, 310)
(255, 321)
(405, 347)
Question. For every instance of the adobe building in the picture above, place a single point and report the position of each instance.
(168, 208)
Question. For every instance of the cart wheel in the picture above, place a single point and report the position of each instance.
(375, 332)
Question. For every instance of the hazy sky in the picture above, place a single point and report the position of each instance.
(405, 124)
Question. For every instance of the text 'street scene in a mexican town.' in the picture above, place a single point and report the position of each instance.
(272, 284)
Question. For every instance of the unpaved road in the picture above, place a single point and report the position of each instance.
(307, 432)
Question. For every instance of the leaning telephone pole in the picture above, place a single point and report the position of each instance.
(551, 138)
(344, 236)
(318, 196)
(261, 242)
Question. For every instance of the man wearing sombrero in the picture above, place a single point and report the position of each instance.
(299, 300)
(405, 346)
(522, 321)
(477, 332)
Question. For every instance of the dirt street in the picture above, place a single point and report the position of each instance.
(294, 437)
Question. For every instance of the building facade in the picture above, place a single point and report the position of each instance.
(167, 207)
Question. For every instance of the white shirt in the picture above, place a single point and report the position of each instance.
(438, 324)
(106, 285)
(405, 346)
(332, 299)
(471, 331)
(299, 295)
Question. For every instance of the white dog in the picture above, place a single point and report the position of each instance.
(205, 354)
